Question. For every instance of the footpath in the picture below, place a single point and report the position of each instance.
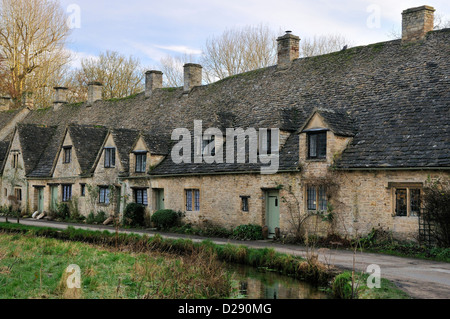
(421, 279)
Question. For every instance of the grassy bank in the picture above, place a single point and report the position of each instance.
(309, 270)
(35, 267)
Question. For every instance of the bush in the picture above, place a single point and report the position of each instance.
(134, 215)
(98, 218)
(165, 218)
(437, 209)
(62, 211)
(248, 232)
(342, 286)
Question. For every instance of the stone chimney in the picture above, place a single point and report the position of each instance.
(153, 81)
(417, 22)
(192, 76)
(60, 97)
(288, 49)
(28, 100)
(94, 92)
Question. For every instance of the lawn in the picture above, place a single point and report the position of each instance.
(33, 267)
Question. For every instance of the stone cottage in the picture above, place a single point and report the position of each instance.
(359, 131)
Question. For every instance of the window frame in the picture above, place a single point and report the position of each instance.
(15, 160)
(408, 189)
(245, 203)
(104, 198)
(192, 201)
(65, 188)
(320, 201)
(67, 154)
(143, 163)
(144, 196)
(110, 157)
(82, 190)
(319, 144)
(18, 193)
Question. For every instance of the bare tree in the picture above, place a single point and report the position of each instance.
(32, 39)
(172, 67)
(121, 76)
(239, 50)
(439, 23)
(323, 44)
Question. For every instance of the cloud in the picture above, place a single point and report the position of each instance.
(180, 49)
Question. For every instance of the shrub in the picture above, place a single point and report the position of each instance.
(62, 211)
(248, 232)
(437, 209)
(98, 218)
(165, 218)
(342, 286)
(134, 215)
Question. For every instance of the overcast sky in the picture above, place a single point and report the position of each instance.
(150, 29)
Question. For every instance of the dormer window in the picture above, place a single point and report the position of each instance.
(67, 154)
(141, 162)
(110, 157)
(317, 144)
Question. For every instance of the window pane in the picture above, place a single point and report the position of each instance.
(245, 204)
(189, 200)
(197, 200)
(323, 199)
(312, 198)
(400, 202)
(322, 145)
(313, 145)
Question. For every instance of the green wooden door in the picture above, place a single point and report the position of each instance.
(273, 211)
(41, 200)
(53, 198)
(160, 199)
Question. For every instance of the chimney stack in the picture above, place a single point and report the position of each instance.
(153, 81)
(192, 76)
(27, 100)
(94, 92)
(60, 97)
(417, 22)
(288, 49)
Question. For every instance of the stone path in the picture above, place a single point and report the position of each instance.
(421, 279)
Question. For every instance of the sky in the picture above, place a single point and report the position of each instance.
(151, 30)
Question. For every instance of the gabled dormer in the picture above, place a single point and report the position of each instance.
(148, 151)
(325, 135)
(79, 151)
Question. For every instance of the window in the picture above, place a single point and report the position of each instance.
(104, 195)
(83, 190)
(244, 203)
(140, 196)
(141, 162)
(15, 160)
(408, 201)
(316, 198)
(6, 192)
(192, 200)
(67, 154)
(110, 157)
(67, 193)
(317, 145)
(18, 193)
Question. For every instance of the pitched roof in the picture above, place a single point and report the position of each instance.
(124, 140)
(339, 122)
(34, 139)
(4, 145)
(87, 141)
(392, 92)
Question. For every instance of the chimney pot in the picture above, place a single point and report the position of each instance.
(94, 92)
(288, 49)
(153, 81)
(417, 22)
(192, 76)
